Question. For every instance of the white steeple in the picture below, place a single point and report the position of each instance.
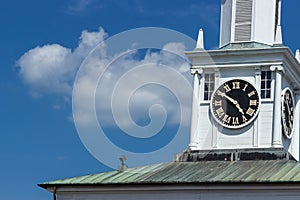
(200, 40)
(278, 36)
(297, 55)
(250, 21)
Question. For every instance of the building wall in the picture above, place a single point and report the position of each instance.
(184, 195)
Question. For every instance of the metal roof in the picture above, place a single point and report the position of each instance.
(260, 171)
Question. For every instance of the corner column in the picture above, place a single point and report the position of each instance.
(277, 140)
(194, 133)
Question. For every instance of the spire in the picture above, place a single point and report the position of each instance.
(278, 36)
(298, 55)
(200, 40)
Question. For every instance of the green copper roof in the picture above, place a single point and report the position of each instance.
(261, 171)
(247, 45)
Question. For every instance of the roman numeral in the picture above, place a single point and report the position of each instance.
(244, 119)
(236, 85)
(220, 93)
(251, 93)
(226, 119)
(220, 112)
(287, 130)
(250, 112)
(253, 102)
(218, 103)
(227, 88)
(244, 89)
(235, 121)
(287, 96)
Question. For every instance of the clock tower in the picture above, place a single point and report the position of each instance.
(246, 93)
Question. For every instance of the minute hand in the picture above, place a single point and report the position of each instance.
(237, 105)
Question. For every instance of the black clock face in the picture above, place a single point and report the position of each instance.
(287, 115)
(235, 104)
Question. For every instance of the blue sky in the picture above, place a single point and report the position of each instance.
(39, 141)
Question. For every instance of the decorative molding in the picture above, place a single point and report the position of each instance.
(217, 71)
(278, 68)
(257, 70)
(196, 71)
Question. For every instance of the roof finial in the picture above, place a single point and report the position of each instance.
(123, 166)
(298, 55)
(200, 42)
(278, 36)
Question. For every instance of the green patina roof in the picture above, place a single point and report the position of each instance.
(247, 45)
(260, 171)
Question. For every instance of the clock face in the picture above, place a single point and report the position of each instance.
(287, 115)
(235, 104)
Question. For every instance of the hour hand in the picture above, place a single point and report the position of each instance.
(237, 105)
(288, 107)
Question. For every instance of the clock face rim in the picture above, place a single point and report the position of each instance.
(288, 136)
(244, 124)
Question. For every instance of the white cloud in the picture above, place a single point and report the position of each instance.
(51, 68)
(140, 100)
(45, 68)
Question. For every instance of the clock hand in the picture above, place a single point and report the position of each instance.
(288, 108)
(289, 115)
(290, 125)
(237, 105)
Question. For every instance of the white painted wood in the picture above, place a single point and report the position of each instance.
(200, 40)
(179, 196)
(225, 25)
(215, 137)
(206, 130)
(246, 64)
(297, 55)
(256, 128)
(243, 20)
(278, 37)
(209, 193)
(195, 111)
(266, 121)
(264, 21)
(277, 132)
(249, 21)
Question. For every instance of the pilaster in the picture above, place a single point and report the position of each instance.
(214, 128)
(194, 137)
(256, 129)
(277, 139)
